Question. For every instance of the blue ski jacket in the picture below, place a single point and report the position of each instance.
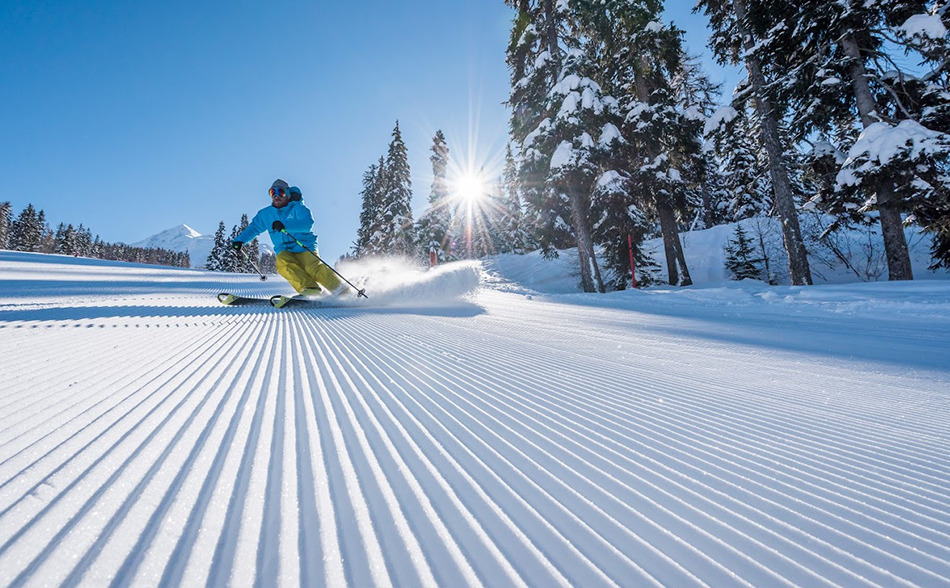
(297, 221)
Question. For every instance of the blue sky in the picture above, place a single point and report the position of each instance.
(134, 117)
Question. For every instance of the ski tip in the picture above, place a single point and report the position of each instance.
(226, 298)
(278, 301)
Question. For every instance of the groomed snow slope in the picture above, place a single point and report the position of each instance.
(451, 434)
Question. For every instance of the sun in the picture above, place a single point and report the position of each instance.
(470, 188)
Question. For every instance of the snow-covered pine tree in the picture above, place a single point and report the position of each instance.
(369, 212)
(6, 219)
(233, 260)
(847, 79)
(268, 263)
(96, 249)
(434, 226)
(557, 110)
(742, 34)
(252, 249)
(744, 173)
(511, 230)
(59, 237)
(534, 58)
(619, 217)
(219, 249)
(697, 97)
(83, 241)
(926, 34)
(571, 145)
(741, 259)
(640, 57)
(47, 236)
(616, 214)
(26, 232)
(378, 236)
(486, 216)
(65, 238)
(395, 207)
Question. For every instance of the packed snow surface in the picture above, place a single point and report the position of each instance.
(478, 424)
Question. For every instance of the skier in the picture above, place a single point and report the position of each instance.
(295, 263)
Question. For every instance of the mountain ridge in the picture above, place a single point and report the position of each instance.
(184, 238)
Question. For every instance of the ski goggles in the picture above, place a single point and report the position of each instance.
(275, 192)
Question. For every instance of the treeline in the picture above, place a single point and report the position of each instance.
(450, 228)
(225, 259)
(618, 131)
(617, 134)
(29, 231)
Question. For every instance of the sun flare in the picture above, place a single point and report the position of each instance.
(470, 188)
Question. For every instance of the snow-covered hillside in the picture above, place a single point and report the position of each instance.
(480, 424)
(184, 238)
(181, 238)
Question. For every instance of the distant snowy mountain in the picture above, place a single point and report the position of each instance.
(185, 238)
(182, 238)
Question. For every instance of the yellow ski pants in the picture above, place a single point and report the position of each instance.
(304, 271)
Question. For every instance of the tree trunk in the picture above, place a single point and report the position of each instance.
(675, 259)
(667, 216)
(895, 242)
(709, 219)
(798, 269)
(590, 271)
(889, 206)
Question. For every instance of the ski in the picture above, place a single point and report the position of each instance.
(229, 299)
(280, 301)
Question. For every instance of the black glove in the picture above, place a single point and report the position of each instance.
(277, 226)
(236, 245)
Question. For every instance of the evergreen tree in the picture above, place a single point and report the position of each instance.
(47, 237)
(640, 59)
(26, 232)
(741, 31)
(83, 241)
(620, 218)
(96, 250)
(741, 260)
(219, 249)
(697, 100)
(6, 220)
(569, 156)
(557, 110)
(233, 260)
(66, 240)
(844, 83)
(378, 236)
(243, 262)
(268, 263)
(514, 237)
(534, 60)
(475, 228)
(395, 210)
(743, 172)
(370, 210)
(433, 228)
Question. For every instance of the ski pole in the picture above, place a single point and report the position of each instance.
(254, 265)
(314, 253)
